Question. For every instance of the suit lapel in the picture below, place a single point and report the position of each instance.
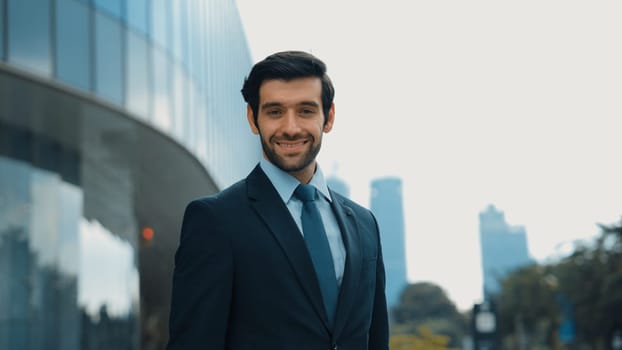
(352, 271)
(270, 207)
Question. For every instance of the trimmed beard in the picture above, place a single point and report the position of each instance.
(280, 163)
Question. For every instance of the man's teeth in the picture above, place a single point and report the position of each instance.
(291, 144)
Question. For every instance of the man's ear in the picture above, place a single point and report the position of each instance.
(328, 125)
(251, 119)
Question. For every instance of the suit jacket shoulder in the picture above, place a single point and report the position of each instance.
(232, 192)
(359, 209)
(228, 199)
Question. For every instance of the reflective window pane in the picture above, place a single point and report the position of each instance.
(108, 273)
(73, 61)
(161, 90)
(29, 34)
(136, 11)
(110, 7)
(179, 101)
(201, 145)
(54, 315)
(137, 75)
(14, 254)
(160, 13)
(193, 37)
(200, 37)
(190, 130)
(185, 35)
(108, 58)
(176, 32)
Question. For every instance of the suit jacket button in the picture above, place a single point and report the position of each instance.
(333, 347)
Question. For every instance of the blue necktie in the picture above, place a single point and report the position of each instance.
(319, 249)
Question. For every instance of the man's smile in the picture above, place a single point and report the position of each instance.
(292, 144)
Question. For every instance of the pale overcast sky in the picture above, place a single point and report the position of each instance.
(514, 103)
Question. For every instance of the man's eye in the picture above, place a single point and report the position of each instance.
(274, 112)
(307, 111)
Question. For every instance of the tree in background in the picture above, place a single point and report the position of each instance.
(582, 292)
(425, 309)
(527, 310)
(591, 278)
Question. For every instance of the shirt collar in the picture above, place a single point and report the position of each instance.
(285, 184)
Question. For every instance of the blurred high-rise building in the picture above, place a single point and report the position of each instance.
(387, 205)
(503, 247)
(113, 116)
(338, 185)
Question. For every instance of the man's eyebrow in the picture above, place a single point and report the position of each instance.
(271, 104)
(309, 104)
(278, 104)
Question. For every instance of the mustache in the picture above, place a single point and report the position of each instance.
(295, 137)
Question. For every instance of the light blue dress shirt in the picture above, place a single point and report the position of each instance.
(285, 184)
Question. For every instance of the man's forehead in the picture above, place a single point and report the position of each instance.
(290, 83)
(307, 87)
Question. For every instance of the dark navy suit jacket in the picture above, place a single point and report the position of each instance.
(244, 280)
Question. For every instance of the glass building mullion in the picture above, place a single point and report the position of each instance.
(2, 31)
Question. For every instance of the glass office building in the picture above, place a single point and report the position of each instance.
(113, 115)
(504, 249)
(387, 204)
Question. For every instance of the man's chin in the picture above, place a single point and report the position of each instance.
(290, 165)
(291, 168)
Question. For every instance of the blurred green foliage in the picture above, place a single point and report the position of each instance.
(426, 318)
(584, 288)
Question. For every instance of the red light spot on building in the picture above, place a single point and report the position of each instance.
(148, 233)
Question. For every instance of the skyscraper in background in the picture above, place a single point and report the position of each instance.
(504, 248)
(387, 205)
(338, 185)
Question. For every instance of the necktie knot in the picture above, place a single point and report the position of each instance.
(305, 193)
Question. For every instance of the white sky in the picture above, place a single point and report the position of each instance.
(515, 103)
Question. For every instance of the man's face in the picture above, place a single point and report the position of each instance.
(290, 124)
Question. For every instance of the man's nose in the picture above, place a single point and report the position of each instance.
(290, 123)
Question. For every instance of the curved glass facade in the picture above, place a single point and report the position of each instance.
(177, 66)
(113, 115)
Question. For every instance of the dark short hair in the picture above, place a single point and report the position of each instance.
(287, 65)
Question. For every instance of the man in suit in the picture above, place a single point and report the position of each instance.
(278, 260)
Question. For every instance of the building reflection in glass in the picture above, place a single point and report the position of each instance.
(108, 274)
(67, 282)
